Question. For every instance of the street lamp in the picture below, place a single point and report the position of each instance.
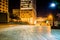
(53, 7)
(50, 17)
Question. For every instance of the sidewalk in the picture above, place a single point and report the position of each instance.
(10, 24)
(2, 26)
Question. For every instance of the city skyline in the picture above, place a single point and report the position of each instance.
(42, 7)
(29, 19)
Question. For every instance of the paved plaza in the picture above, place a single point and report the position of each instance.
(28, 32)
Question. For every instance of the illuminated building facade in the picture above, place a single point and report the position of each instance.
(27, 11)
(4, 11)
(4, 6)
(16, 12)
(47, 21)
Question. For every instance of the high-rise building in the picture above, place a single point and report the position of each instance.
(28, 11)
(4, 6)
(4, 11)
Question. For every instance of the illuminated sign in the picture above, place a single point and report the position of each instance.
(26, 4)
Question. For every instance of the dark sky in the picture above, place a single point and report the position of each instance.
(13, 4)
(42, 6)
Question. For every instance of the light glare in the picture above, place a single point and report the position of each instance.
(53, 5)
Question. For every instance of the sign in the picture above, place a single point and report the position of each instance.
(26, 4)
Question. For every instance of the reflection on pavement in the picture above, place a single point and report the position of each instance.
(27, 33)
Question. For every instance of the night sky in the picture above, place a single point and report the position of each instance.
(14, 4)
(41, 6)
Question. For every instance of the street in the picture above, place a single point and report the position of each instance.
(29, 32)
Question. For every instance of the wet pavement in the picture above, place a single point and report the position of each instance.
(29, 32)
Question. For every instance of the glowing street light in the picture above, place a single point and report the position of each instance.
(53, 5)
(50, 17)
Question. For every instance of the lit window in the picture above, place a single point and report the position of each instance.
(3, 2)
(3, 5)
(3, 8)
(6, 3)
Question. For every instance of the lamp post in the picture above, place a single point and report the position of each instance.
(53, 8)
(52, 5)
(50, 18)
